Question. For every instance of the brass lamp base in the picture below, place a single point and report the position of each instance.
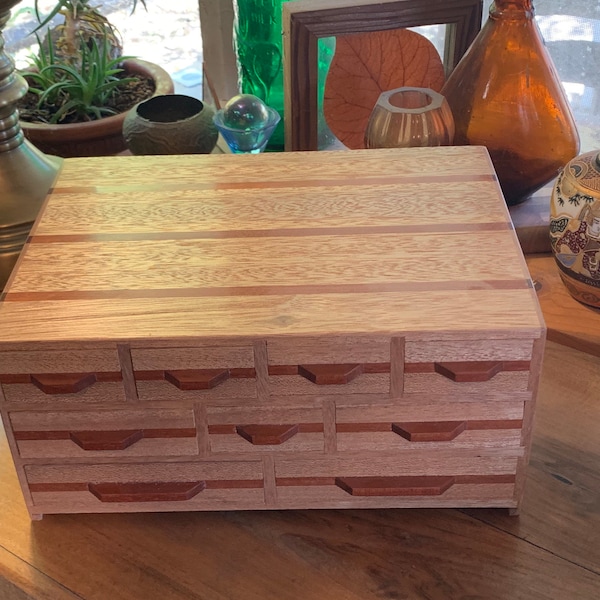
(26, 174)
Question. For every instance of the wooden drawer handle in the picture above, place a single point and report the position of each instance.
(469, 371)
(106, 440)
(330, 374)
(395, 486)
(266, 435)
(63, 383)
(436, 431)
(197, 379)
(164, 491)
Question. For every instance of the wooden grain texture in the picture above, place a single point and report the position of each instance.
(569, 322)
(212, 259)
(550, 551)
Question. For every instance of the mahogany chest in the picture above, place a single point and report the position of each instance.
(298, 330)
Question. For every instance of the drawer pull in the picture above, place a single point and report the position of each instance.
(330, 374)
(63, 383)
(436, 431)
(167, 491)
(266, 435)
(469, 371)
(197, 379)
(395, 486)
(106, 440)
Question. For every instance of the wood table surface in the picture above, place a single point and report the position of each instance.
(549, 551)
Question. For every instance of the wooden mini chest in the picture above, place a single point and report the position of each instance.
(299, 330)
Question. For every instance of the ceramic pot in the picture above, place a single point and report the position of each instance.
(171, 124)
(103, 137)
(575, 227)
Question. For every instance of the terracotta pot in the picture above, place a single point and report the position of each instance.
(575, 227)
(94, 138)
(171, 124)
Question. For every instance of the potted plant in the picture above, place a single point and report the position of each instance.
(80, 84)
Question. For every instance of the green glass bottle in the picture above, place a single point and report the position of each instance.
(259, 49)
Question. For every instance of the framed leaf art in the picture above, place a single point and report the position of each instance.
(305, 21)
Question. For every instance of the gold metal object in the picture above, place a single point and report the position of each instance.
(26, 174)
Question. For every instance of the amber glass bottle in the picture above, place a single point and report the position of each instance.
(505, 94)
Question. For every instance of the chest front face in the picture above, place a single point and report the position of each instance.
(303, 330)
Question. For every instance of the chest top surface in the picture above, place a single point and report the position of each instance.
(313, 243)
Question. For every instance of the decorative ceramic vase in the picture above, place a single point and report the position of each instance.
(505, 94)
(170, 124)
(408, 117)
(575, 227)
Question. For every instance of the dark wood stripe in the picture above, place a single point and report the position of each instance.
(344, 180)
(383, 426)
(481, 479)
(159, 375)
(102, 376)
(304, 481)
(217, 484)
(282, 290)
(263, 233)
(66, 434)
(230, 428)
(427, 367)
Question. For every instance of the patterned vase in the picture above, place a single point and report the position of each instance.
(575, 227)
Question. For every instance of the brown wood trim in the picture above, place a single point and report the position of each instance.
(430, 367)
(58, 487)
(234, 484)
(469, 371)
(126, 362)
(274, 290)
(66, 434)
(275, 370)
(429, 431)
(328, 374)
(484, 479)
(363, 427)
(197, 379)
(62, 383)
(108, 376)
(160, 375)
(275, 232)
(420, 485)
(106, 440)
(230, 428)
(160, 491)
(15, 378)
(387, 426)
(266, 434)
(304, 481)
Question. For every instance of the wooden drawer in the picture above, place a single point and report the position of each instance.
(136, 487)
(194, 373)
(266, 428)
(66, 377)
(105, 433)
(389, 479)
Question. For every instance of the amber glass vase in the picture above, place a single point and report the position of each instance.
(505, 94)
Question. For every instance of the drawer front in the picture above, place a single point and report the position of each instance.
(259, 428)
(196, 373)
(410, 425)
(208, 485)
(418, 478)
(105, 433)
(62, 377)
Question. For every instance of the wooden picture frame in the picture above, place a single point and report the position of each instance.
(305, 21)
